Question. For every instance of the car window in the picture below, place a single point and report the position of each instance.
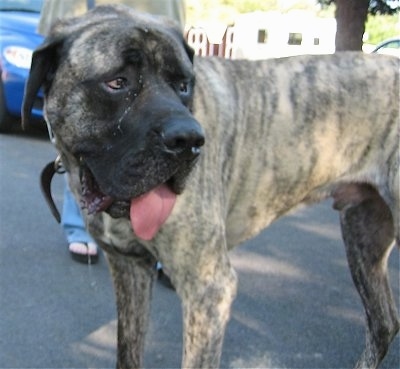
(389, 48)
(21, 5)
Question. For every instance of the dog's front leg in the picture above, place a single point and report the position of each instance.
(207, 292)
(133, 279)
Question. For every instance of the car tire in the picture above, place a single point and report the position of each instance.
(5, 118)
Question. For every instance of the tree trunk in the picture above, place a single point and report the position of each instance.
(351, 16)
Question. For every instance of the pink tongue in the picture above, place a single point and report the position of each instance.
(150, 211)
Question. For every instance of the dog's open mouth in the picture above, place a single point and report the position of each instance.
(147, 211)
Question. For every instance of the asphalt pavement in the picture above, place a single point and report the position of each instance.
(296, 306)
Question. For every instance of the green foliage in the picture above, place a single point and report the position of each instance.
(224, 10)
(375, 6)
(381, 27)
(247, 6)
(327, 11)
(198, 11)
(227, 10)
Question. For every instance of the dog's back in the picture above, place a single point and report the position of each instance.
(325, 120)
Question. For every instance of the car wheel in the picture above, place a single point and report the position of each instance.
(5, 118)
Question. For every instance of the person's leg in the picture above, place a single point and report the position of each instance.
(79, 241)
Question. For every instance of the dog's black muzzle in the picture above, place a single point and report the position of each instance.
(165, 152)
(182, 137)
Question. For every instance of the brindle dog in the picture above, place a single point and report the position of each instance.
(125, 100)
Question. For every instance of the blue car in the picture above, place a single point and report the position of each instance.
(18, 38)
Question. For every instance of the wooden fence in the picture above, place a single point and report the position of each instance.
(198, 40)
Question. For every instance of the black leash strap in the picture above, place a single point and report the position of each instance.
(45, 184)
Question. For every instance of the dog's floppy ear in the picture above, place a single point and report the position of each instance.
(44, 60)
(189, 51)
(178, 34)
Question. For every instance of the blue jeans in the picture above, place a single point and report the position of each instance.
(72, 220)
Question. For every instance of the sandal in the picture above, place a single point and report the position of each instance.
(83, 252)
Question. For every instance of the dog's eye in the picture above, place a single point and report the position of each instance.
(117, 84)
(184, 88)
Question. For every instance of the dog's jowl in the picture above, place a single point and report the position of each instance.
(178, 159)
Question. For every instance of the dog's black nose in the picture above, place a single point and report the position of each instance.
(183, 136)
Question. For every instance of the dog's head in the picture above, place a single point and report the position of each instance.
(118, 88)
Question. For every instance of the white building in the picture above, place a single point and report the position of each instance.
(261, 35)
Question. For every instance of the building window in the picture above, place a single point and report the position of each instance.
(295, 38)
(316, 41)
(262, 36)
